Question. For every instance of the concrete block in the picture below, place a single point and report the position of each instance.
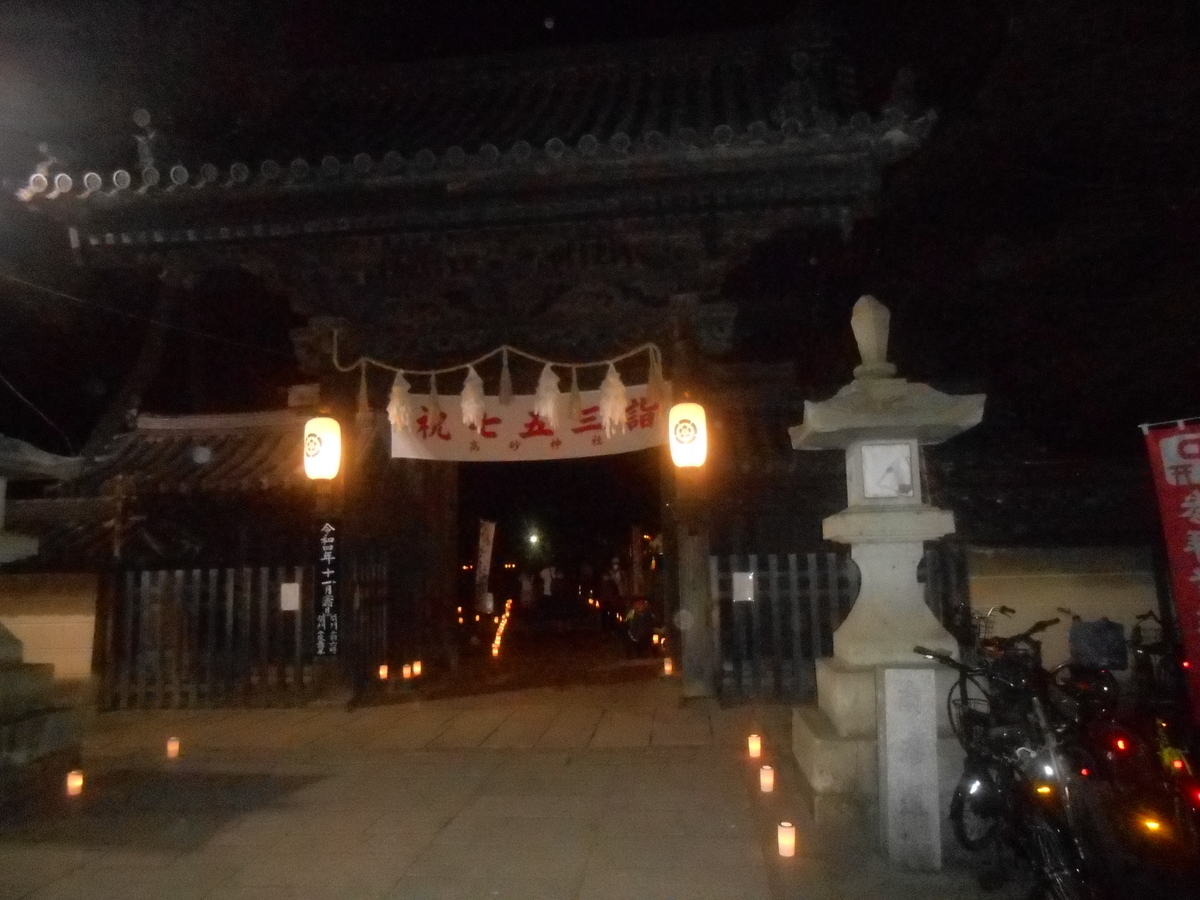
(909, 790)
(831, 763)
(846, 695)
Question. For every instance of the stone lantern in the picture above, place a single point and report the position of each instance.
(881, 422)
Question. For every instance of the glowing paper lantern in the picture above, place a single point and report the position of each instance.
(766, 779)
(173, 748)
(383, 672)
(407, 672)
(787, 839)
(417, 669)
(668, 666)
(74, 783)
(754, 745)
(322, 448)
(689, 434)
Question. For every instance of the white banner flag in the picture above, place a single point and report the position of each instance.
(515, 433)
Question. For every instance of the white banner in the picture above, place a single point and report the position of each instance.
(514, 433)
(483, 565)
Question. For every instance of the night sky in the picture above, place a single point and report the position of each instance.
(1041, 247)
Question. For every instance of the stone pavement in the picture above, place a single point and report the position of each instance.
(615, 792)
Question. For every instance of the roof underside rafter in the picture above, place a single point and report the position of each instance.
(696, 126)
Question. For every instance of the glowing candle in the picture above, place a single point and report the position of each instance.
(406, 671)
(383, 672)
(754, 745)
(766, 779)
(173, 748)
(787, 839)
(668, 666)
(74, 783)
(417, 669)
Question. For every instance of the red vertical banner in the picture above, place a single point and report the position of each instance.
(1174, 450)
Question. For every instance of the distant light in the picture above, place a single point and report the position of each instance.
(416, 668)
(74, 783)
(549, 23)
(406, 671)
(533, 538)
(383, 672)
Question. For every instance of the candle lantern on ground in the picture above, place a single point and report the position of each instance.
(787, 839)
(766, 779)
(754, 746)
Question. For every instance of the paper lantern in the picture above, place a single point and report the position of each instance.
(322, 448)
(74, 783)
(754, 745)
(383, 672)
(689, 434)
(407, 671)
(766, 779)
(173, 748)
(787, 839)
(668, 666)
(417, 669)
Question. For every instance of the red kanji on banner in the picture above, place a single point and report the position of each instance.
(589, 420)
(1175, 459)
(427, 430)
(640, 414)
(485, 428)
(535, 427)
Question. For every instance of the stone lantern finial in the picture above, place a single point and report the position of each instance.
(870, 321)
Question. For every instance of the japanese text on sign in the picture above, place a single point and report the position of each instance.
(515, 432)
(1175, 458)
(327, 606)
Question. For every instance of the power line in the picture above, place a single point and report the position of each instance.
(43, 416)
(147, 319)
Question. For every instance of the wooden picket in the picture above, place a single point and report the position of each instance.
(202, 637)
(769, 647)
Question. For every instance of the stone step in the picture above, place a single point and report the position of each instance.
(24, 686)
(37, 733)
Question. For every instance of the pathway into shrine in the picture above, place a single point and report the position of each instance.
(589, 792)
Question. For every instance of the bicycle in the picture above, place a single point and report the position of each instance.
(1016, 793)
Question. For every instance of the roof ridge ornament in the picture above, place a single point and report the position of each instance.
(870, 322)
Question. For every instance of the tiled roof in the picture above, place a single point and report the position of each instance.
(697, 99)
(229, 453)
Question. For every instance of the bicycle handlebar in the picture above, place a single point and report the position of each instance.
(1037, 628)
(942, 657)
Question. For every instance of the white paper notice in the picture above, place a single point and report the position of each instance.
(289, 596)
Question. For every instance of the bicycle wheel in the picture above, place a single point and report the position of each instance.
(1059, 877)
(975, 811)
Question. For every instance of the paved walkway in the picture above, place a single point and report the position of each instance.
(591, 793)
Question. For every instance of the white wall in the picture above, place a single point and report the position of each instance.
(1092, 582)
(54, 617)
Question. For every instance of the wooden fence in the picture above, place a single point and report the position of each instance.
(768, 648)
(202, 637)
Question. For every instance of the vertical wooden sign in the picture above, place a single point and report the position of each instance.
(327, 605)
